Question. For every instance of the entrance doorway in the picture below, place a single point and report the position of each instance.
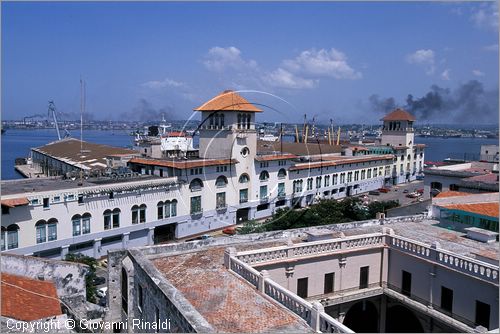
(242, 215)
(164, 233)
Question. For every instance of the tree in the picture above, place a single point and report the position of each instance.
(90, 276)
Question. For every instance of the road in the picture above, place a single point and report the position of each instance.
(397, 193)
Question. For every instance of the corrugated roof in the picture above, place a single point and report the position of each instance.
(485, 209)
(13, 202)
(399, 115)
(183, 164)
(228, 100)
(74, 152)
(28, 299)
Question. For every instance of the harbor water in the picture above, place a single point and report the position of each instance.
(16, 143)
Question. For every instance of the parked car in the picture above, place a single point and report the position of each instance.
(383, 190)
(99, 280)
(406, 191)
(420, 191)
(229, 230)
(102, 292)
(374, 192)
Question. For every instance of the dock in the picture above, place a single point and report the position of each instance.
(29, 172)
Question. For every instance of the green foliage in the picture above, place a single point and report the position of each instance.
(325, 212)
(91, 275)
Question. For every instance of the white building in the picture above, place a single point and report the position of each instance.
(232, 181)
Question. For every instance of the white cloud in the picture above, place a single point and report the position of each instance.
(486, 15)
(218, 59)
(155, 84)
(424, 58)
(446, 74)
(492, 47)
(284, 79)
(477, 73)
(322, 63)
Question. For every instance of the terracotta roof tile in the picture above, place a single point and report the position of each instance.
(12, 202)
(228, 101)
(452, 194)
(485, 209)
(183, 164)
(399, 115)
(28, 299)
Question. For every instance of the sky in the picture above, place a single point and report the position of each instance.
(349, 62)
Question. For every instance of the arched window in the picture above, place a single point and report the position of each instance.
(221, 181)
(264, 175)
(116, 218)
(159, 208)
(244, 178)
(196, 185)
(142, 213)
(173, 211)
(86, 223)
(12, 236)
(409, 157)
(76, 221)
(282, 173)
(216, 120)
(167, 208)
(135, 214)
(46, 230)
(107, 219)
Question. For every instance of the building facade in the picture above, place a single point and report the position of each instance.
(232, 181)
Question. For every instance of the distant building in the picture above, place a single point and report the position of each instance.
(460, 210)
(407, 276)
(489, 153)
(72, 155)
(472, 177)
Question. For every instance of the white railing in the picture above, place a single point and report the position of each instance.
(327, 324)
(314, 248)
(245, 271)
(288, 299)
(446, 258)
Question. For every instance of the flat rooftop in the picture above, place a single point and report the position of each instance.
(23, 186)
(228, 302)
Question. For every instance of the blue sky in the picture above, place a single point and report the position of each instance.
(330, 60)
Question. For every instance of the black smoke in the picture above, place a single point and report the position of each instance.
(144, 111)
(470, 102)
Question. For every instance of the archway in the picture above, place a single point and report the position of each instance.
(402, 320)
(362, 317)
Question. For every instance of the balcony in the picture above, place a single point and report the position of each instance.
(197, 213)
(221, 207)
(264, 199)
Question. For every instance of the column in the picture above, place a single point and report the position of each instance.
(97, 248)
(151, 235)
(64, 251)
(316, 311)
(125, 237)
(261, 283)
(383, 309)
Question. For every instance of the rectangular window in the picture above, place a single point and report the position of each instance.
(302, 287)
(195, 205)
(483, 314)
(56, 199)
(220, 200)
(140, 300)
(342, 177)
(85, 225)
(34, 201)
(263, 192)
(52, 231)
(446, 299)
(116, 220)
(356, 176)
(318, 182)
(46, 202)
(363, 277)
(327, 180)
(335, 179)
(406, 284)
(159, 212)
(80, 199)
(5, 210)
(309, 184)
(243, 195)
(369, 174)
(4, 235)
(329, 283)
(76, 227)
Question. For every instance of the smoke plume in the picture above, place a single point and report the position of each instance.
(144, 111)
(470, 102)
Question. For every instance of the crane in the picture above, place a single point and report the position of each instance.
(52, 109)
